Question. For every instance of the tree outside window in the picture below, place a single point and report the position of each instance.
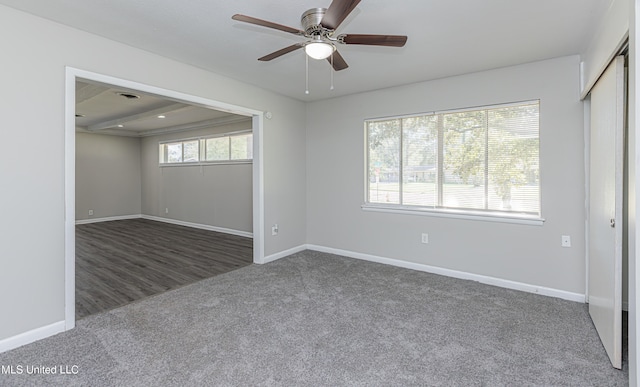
(476, 159)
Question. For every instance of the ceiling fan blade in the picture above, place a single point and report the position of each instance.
(338, 61)
(281, 52)
(337, 12)
(374, 40)
(264, 23)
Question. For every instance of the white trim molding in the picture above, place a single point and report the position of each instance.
(454, 214)
(70, 200)
(499, 282)
(285, 253)
(198, 225)
(32, 336)
(107, 219)
(550, 292)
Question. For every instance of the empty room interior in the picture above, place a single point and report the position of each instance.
(173, 181)
(356, 194)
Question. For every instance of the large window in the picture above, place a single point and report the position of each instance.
(228, 148)
(473, 160)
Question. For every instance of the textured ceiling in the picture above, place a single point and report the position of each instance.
(446, 37)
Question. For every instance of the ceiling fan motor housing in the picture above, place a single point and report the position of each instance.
(311, 21)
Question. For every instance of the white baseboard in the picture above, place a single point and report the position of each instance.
(577, 297)
(108, 219)
(167, 220)
(31, 336)
(282, 254)
(200, 226)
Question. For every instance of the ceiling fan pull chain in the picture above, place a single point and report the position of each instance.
(306, 76)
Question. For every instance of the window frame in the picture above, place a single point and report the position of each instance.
(162, 155)
(446, 212)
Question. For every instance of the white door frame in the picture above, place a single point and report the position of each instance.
(72, 74)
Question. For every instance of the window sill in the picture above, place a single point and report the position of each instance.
(456, 214)
(202, 163)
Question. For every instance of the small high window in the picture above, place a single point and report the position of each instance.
(228, 148)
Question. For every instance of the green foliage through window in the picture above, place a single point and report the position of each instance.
(481, 159)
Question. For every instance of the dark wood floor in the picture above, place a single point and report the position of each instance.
(122, 261)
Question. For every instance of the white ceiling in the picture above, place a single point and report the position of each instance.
(446, 37)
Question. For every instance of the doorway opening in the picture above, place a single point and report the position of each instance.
(208, 113)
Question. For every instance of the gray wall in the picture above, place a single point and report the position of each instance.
(120, 176)
(522, 253)
(215, 195)
(35, 53)
(107, 176)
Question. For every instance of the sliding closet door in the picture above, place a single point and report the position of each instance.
(605, 208)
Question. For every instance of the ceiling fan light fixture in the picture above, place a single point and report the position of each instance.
(319, 50)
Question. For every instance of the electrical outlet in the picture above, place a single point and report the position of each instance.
(90, 212)
(166, 210)
(425, 238)
(566, 241)
(274, 229)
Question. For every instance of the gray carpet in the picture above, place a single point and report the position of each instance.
(324, 320)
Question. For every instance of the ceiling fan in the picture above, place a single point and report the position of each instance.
(318, 28)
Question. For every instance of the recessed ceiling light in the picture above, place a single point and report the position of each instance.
(120, 126)
(162, 116)
(128, 95)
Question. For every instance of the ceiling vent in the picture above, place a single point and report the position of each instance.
(128, 95)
